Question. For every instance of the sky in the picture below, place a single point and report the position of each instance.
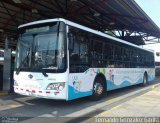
(152, 9)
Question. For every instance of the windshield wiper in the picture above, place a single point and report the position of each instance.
(22, 63)
(49, 68)
(44, 73)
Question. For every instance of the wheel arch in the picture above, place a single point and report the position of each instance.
(100, 75)
(146, 74)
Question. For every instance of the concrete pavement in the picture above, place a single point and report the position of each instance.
(127, 102)
(146, 107)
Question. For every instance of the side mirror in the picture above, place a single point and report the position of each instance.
(71, 41)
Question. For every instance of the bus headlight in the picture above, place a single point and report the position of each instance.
(56, 86)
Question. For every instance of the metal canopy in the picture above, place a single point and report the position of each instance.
(123, 16)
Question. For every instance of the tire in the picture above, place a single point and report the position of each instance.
(98, 89)
(145, 79)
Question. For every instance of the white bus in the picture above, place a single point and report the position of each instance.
(59, 59)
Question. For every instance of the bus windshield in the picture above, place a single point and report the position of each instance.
(41, 50)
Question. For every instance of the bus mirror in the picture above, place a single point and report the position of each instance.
(71, 41)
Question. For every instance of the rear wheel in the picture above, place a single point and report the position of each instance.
(98, 89)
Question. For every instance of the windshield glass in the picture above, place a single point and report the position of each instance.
(42, 50)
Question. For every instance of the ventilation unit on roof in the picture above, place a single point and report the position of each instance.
(138, 40)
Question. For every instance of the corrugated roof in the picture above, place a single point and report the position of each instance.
(98, 14)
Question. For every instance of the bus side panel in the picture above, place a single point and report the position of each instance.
(123, 77)
(80, 85)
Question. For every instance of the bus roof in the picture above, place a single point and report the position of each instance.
(83, 28)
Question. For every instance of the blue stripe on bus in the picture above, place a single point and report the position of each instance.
(151, 78)
(73, 94)
(112, 86)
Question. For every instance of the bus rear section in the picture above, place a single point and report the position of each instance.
(100, 63)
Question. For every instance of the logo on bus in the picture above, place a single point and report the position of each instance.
(30, 76)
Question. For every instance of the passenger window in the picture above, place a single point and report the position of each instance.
(79, 56)
(83, 53)
(75, 54)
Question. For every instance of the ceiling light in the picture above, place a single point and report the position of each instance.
(73, 0)
(96, 14)
(1, 30)
(111, 23)
(34, 11)
(17, 1)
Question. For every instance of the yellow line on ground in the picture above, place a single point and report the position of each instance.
(15, 106)
(105, 113)
(107, 102)
(154, 86)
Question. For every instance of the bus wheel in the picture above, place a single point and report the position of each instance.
(145, 79)
(98, 89)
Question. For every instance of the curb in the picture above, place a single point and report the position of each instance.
(3, 93)
(155, 86)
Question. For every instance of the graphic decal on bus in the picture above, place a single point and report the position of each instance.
(73, 95)
(111, 75)
(93, 71)
(81, 84)
(111, 85)
(77, 86)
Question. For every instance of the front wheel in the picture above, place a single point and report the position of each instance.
(98, 89)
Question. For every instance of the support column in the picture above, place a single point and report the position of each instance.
(122, 34)
(7, 67)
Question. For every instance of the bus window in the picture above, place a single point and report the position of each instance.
(79, 54)
(97, 54)
(83, 53)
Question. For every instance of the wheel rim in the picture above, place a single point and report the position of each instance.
(98, 88)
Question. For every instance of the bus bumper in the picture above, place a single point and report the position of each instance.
(48, 94)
